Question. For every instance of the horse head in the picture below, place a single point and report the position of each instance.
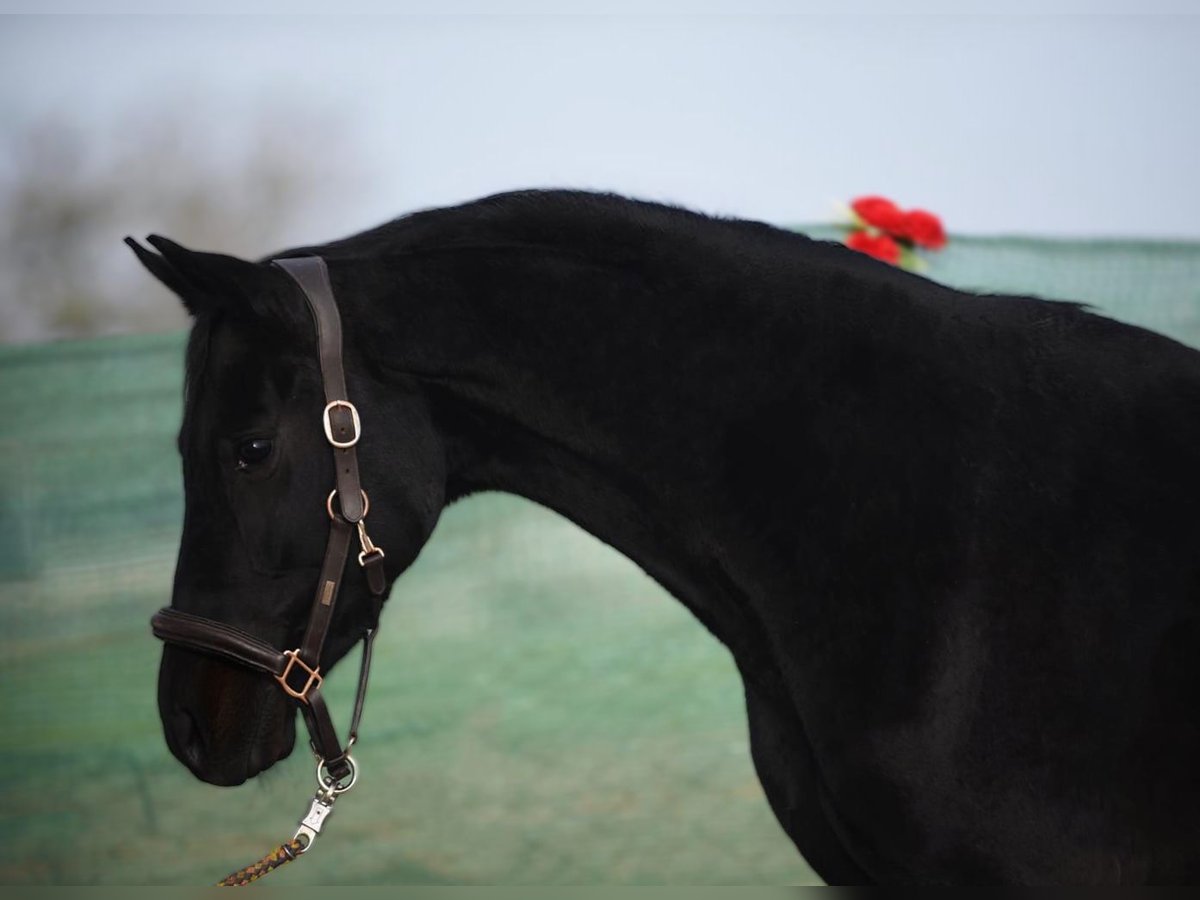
(258, 474)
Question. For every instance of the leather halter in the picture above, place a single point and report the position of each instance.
(298, 671)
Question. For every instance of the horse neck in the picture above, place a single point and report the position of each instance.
(606, 393)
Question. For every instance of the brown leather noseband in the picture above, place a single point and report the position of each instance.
(298, 671)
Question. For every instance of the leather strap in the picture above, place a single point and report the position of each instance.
(364, 673)
(217, 638)
(372, 564)
(336, 550)
(311, 273)
(320, 726)
(323, 734)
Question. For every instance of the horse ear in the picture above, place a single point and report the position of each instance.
(210, 281)
(166, 273)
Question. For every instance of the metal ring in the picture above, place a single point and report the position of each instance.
(327, 782)
(333, 493)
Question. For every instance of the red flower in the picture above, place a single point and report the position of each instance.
(880, 212)
(880, 246)
(885, 231)
(923, 228)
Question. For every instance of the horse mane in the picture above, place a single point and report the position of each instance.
(605, 223)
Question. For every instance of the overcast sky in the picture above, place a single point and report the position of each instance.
(1042, 124)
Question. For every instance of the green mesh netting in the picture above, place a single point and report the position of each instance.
(540, 711)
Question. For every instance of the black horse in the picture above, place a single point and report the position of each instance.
(952, 541)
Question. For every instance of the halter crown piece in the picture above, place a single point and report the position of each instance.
(298, 671)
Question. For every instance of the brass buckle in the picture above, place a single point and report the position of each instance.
(341, 445)
(314, 676)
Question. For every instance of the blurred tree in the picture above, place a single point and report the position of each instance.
(70, 192)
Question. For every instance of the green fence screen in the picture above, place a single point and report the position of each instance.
(541, 712)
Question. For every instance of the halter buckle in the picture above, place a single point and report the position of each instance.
(312, 682)
(325, 420)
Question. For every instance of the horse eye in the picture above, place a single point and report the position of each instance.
(254, 451)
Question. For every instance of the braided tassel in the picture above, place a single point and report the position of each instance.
(273, 860)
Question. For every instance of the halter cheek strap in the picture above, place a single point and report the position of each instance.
(298, 671)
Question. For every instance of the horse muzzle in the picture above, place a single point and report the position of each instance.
(225, 723)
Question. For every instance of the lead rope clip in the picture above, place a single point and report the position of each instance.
(328, 790)
(369, 550)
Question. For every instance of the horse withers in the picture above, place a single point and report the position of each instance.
(949, 539)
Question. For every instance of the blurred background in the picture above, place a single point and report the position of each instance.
(541, 711)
